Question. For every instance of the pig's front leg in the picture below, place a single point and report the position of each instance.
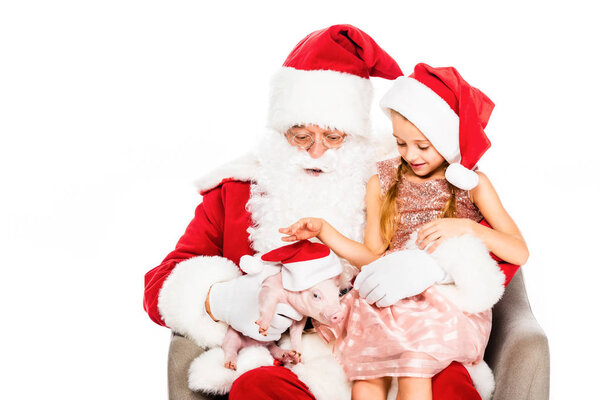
(232, 342)
(268, 297)
(295, 355)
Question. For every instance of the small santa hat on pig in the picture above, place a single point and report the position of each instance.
(304, 264)
(325, 81)
(451, 113)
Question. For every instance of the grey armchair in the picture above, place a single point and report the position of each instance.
(181, 354)
(517, 352)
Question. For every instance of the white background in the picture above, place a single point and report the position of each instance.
(109, 110)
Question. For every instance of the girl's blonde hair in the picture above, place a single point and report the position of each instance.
(388, 221)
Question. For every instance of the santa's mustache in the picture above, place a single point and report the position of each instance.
(328, 162)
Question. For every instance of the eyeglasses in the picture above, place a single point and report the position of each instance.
(305, 140)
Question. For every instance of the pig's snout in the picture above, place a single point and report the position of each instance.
(337, 317)
(333, 317)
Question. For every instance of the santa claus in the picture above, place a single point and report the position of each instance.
(315, 160)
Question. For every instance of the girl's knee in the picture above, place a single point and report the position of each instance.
(414, 388)
(371, 389)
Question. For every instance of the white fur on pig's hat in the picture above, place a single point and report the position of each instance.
(251, 264)
(304, 264)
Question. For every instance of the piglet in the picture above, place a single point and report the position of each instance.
(320, 302)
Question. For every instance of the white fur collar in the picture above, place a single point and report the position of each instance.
(242, 168)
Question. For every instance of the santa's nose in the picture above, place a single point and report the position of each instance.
(317, 149)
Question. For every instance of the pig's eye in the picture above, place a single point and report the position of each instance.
(315, 296)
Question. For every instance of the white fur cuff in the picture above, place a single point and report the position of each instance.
(478, 281)
(242, 169)
(182, 296)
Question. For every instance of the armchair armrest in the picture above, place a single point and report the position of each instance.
(181, 354)
(518, 350)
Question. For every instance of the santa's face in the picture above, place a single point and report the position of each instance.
(293, 183)
(314, 141)
(309, 155)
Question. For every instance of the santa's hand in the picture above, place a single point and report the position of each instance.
(235, 302)
(304, 228)
(396, 276)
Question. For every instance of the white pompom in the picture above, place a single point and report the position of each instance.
(461, 177)
(251, 264)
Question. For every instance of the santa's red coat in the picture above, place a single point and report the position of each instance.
(219, 228)
(208, 252)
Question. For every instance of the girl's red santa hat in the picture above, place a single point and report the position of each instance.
(304, 264)
(451, 113)
(325, 81)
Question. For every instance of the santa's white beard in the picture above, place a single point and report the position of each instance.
(284, 192)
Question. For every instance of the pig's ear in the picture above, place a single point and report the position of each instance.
(348, 273)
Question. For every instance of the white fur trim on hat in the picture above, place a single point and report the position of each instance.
(251, 264)
(302, 275)
(182, 296)
(332, 99)
(428, 112)
(461, 177)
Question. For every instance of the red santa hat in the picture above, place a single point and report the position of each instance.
(325, 81)
(451, 113)
(304, 264)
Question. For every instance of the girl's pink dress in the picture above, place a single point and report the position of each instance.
(421, 335)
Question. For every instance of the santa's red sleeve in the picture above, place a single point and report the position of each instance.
(508, 269)
(175, 290)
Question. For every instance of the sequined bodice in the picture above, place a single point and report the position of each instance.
(420, 202)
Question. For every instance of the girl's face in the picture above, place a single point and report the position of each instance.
(422, 158)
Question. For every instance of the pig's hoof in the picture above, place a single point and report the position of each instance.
(278, 354)
(294, 357)
(230, 365)
(262, 331)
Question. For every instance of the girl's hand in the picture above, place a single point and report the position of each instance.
(435, 232)
(305, 228)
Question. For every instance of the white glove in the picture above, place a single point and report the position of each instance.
(398, 275)
(235, 302)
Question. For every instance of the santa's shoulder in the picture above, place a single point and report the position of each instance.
(241, 170)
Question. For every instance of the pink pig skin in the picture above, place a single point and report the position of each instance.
(234, 341)
(320, 302)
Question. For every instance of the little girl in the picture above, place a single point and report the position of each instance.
(438, 121)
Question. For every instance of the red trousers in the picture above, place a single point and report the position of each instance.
(273, 383)
(269, 383)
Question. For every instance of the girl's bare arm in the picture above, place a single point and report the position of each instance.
(356, 253)
(505, 239)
